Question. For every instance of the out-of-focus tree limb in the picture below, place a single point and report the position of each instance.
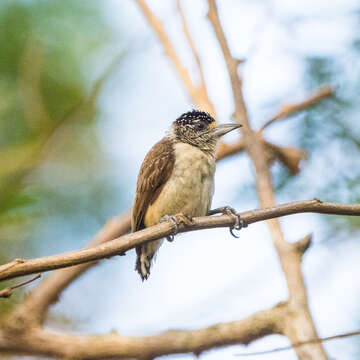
(292, 109)
(37, 341)
(301, 327)
(192, 47)
(34, 307)
(124, 243)
(225, 149)
(289, 156)
(198, 94)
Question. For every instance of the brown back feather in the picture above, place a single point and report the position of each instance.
(154, 173)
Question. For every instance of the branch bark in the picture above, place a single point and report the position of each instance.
(124, 243)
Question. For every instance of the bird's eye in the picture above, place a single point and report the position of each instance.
(200, 126)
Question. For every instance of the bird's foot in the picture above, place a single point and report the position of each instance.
(176, 220)
(228, 210)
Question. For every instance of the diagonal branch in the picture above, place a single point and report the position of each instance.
(192, 46)
(225, 150)
(7, 292)
(124, 243)
(35, 305)
(292, 109)
(198, 94)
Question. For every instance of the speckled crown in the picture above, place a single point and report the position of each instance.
(189, 117)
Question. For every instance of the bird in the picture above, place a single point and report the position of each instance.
(176, 177)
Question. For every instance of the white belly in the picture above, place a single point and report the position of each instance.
(189, 189)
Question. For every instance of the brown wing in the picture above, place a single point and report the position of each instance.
(154, 172)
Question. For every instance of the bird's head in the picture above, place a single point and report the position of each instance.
(199, 128)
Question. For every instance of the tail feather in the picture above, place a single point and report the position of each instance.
(145, 254)
(143, 264)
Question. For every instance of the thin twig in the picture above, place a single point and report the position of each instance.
(313, 341)
(7, 292)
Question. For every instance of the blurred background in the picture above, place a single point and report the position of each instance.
(86, 90)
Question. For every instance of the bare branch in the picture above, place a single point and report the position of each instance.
(37, 341)
(124, 243)
(226, 150)
(291, 109)
(7, 292)
(289, 156)
(313, 341)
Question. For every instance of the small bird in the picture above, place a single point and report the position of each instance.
(176, 177)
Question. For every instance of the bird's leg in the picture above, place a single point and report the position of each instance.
(228, 210)
(176, 220)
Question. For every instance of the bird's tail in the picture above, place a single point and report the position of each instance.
(145, 254)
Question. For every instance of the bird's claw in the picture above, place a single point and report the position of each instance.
(239, 222)
(176, 220)
(228, 210)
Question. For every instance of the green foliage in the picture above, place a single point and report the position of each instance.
(330, 133)
(51, 160)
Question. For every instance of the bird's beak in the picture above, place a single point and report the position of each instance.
(224, 129)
